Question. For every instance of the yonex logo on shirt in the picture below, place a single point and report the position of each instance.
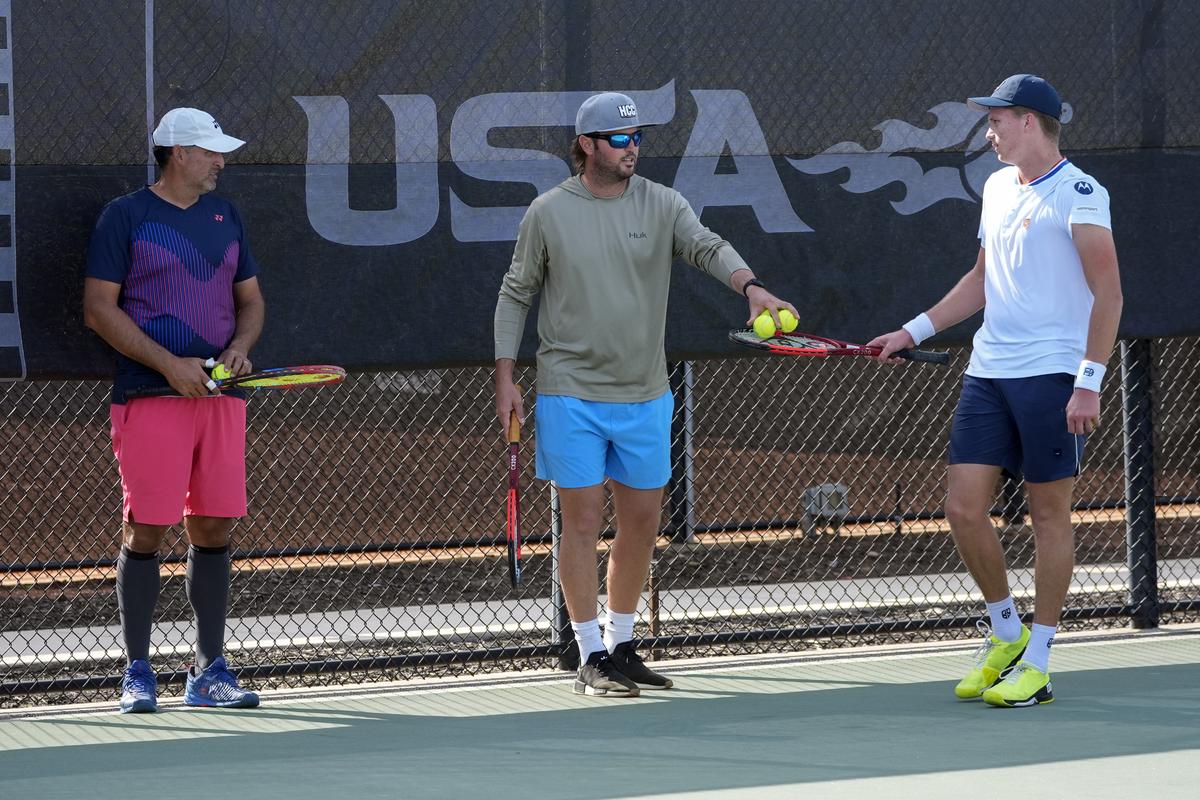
(1083, 187)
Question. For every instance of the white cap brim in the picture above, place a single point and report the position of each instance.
(218, 142)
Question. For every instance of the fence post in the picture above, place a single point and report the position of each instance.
(560, 626)
(1137, 393)
(681, 488)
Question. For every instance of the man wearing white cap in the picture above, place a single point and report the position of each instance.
(598, 248)
(171, 283)
(1047, 280)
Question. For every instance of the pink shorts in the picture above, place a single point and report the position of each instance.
(181, 456)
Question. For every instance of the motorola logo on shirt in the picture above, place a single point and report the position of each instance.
(1083, 187)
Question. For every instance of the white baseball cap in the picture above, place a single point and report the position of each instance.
(191, 126)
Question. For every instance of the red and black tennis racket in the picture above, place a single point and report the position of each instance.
(513, 529)
(805, 344)
(277, 378)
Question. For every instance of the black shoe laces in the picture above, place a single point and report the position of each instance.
(605, 667)
(631, 656)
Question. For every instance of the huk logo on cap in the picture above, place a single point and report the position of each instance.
(627, 111)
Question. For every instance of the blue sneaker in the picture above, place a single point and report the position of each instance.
(139, 689)
(216, 687)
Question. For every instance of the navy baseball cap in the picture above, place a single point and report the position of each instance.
(1028, 91)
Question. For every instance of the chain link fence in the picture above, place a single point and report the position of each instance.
(805, 511)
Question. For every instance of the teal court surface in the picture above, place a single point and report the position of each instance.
(879, 722)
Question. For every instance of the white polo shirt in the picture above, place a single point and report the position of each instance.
(1037, 301)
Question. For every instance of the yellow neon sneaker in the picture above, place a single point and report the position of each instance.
(993, 659)
(1025, 685)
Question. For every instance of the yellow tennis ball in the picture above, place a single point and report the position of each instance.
(788, 320)
(764, 326)
(220, 372)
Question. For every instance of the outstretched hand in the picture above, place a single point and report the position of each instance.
(761, 300)
(889, 343)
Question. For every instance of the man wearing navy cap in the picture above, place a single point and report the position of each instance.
(1046, 278)
(598, 249)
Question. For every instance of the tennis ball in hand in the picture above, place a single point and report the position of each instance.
(764, 326)
(220, 372)
(788, 320)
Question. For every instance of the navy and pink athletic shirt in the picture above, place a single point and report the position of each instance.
(176, 268)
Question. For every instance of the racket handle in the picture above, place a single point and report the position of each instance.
(514, 424)
(928, 356)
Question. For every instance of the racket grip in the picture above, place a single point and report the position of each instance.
(927, 356)
(514, 424)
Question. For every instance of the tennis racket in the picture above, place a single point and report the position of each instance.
(278, 378)
(805, 344)
(513, 529)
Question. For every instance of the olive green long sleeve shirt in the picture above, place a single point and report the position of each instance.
(603, 269)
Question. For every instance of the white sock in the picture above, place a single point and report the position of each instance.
(1037, 652)
(587, 634)
(1006, 622)
(618, 629)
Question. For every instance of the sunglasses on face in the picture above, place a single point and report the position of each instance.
(619, 141)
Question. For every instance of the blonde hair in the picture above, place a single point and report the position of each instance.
(1049, 125)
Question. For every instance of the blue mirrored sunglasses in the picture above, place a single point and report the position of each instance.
(619, 141)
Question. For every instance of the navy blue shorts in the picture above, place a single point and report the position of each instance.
(1018, 424)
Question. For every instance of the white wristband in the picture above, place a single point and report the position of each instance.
(1090, 375)
(919, 328)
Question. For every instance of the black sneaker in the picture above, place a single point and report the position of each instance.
(631, 666)
(599, 676)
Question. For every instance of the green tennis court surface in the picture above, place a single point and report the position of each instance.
(850, 723)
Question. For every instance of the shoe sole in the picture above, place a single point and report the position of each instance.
(1041, 697)
(139, 707)
(232, 704)
(1032, 701)
(668, 683)
(603, 691)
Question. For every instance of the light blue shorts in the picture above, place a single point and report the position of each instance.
(579, 442)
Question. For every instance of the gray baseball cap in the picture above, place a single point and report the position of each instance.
(607, 111)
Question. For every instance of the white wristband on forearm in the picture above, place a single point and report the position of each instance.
(1090, 375)
(919, 328)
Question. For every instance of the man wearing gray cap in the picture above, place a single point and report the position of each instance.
(598, 248)
(171, 283)
(1046, 278)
